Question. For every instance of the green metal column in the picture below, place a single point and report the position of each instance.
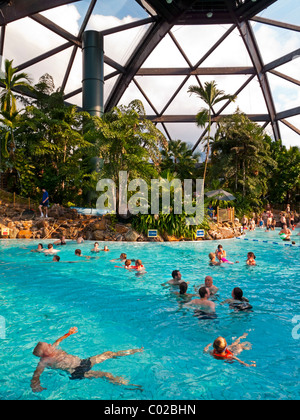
(93, 73)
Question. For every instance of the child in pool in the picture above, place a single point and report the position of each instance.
(222, 259)
(251, 259)
(96, 247)
(223, 352)
(138, 266)
(127, 265)
(213, 261)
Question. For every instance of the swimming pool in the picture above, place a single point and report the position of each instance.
(116, 310)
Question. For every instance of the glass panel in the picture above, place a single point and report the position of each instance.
(283, 11)
(286, 95)
(197, 40)
(231, 52)
(26, 39)
(275, 42)
(289, 137)
(160, 89)
(67, 17)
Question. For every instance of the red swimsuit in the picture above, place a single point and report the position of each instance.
(228, 354)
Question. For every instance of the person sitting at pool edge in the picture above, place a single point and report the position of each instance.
(203, 303)
(223, 352)
(53, 358)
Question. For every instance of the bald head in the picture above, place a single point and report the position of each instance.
(208, 281)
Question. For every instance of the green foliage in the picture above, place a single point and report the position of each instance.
(241, 157)
(172, 224)
(211, 96)
(180, 160)
(126, 141)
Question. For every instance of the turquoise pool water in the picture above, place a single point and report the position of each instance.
(116, 310)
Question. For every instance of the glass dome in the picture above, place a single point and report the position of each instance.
(156, 49)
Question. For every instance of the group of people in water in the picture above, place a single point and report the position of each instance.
(268, 222)
(202, 301)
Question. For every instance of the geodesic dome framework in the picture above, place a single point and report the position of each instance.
(156, 49)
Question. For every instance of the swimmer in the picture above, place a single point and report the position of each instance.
(213, 261)
(183, 291)
(40, 248)
(176, 279)
(78, 253)
(203, 303)
(224, 352)
(224, 260)
(138, 266)
(127, 265)
(56, 258)
(105, 249)
(285, 233)
(209, 284)
(96, 247)
(123, 258)
(50, 250)
(238, 302)
(80, 239)
(61, 241)
(53, 358)
(220, 249)
(251, 259)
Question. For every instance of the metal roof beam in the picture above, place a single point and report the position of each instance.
(253, 50)
(200, 71)
(283, 60)
(192, 118)
(152, 38)
(42, 20)
(276, 23)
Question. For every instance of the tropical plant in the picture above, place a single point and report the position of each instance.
(11, 81)
(241, 157)
(180, 159)
(126, 141)
(211, 95)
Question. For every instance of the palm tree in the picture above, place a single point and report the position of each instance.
(11, 81)
(211, 96)
(8, 101)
